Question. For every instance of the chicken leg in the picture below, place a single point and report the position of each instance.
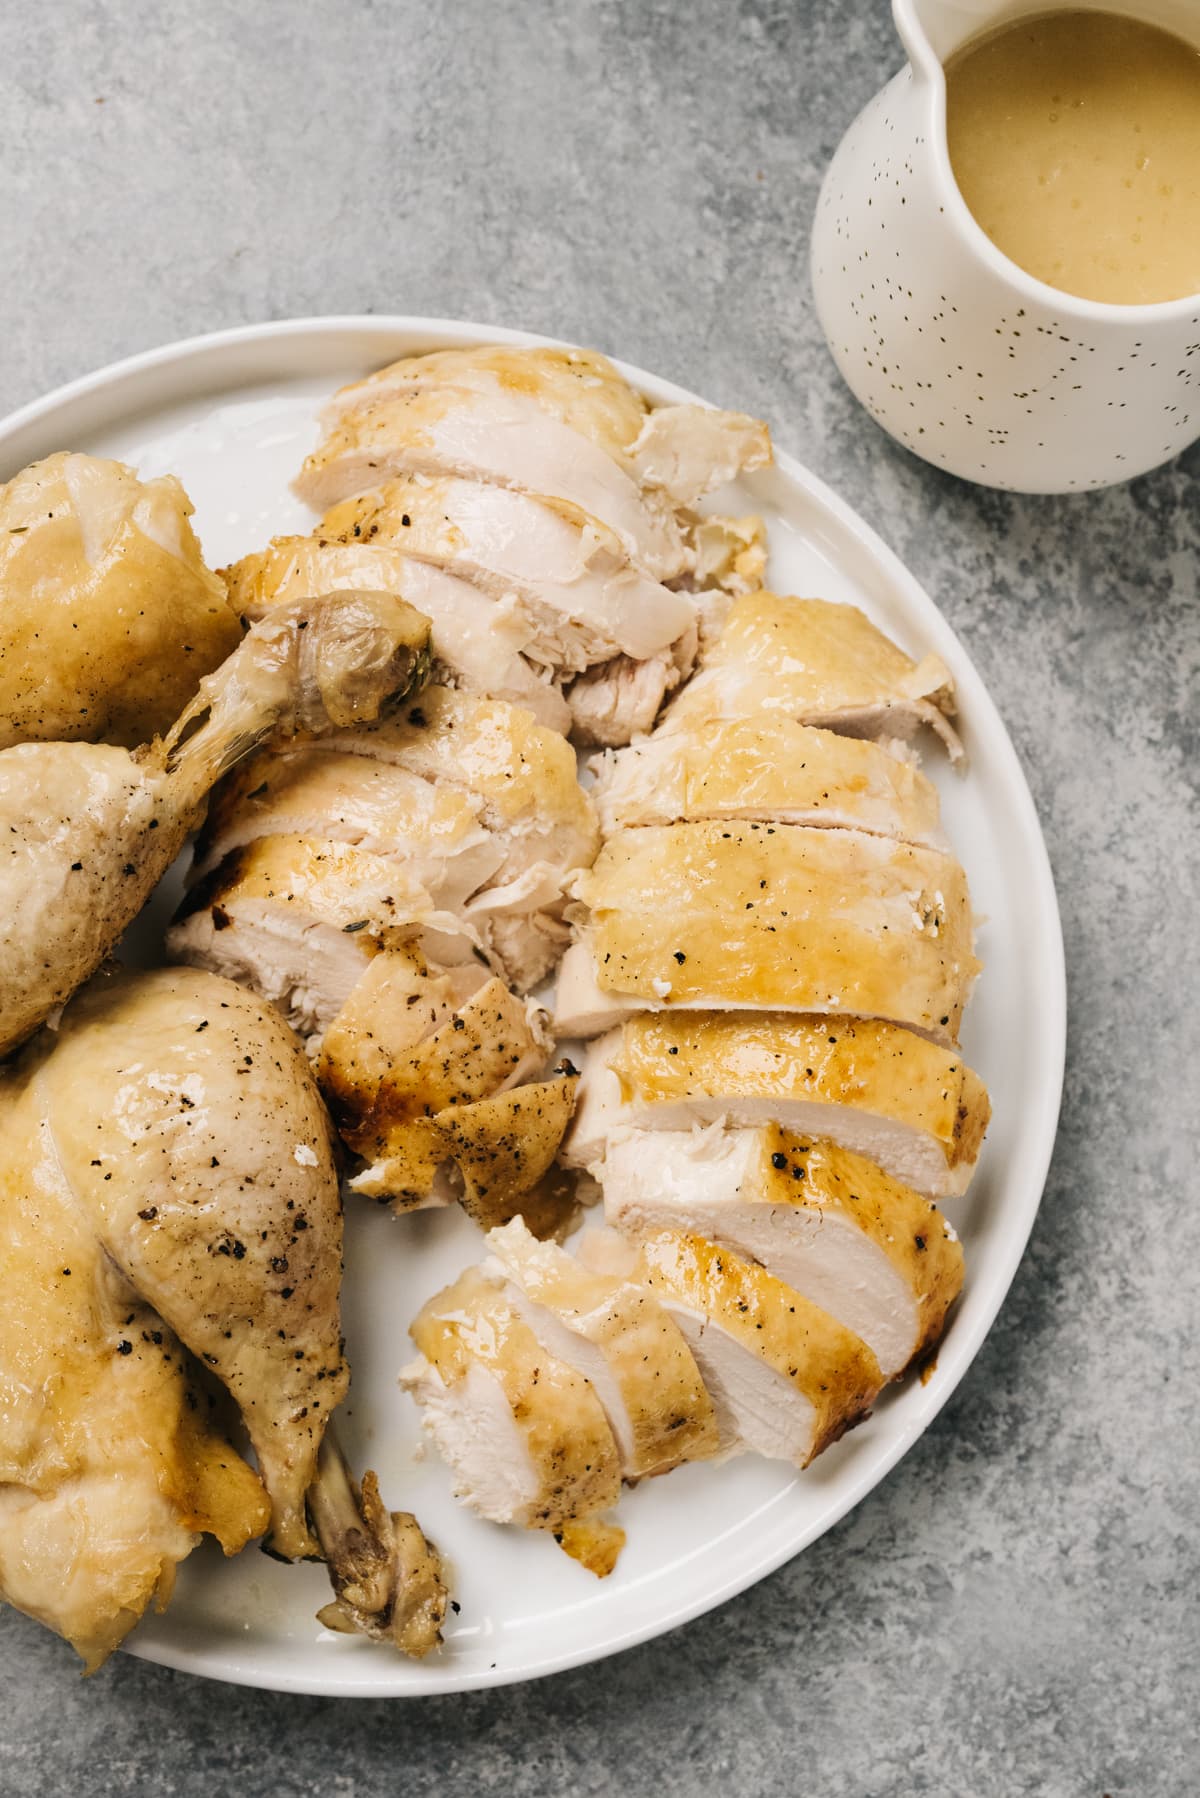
(91, 828)
(178, 1128)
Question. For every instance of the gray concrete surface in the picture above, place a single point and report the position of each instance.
(1015, 1610)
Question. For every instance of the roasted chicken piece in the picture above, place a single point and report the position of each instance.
(369, 882)
(168, 1147)
(300, 919)
(485, 645)
(912, 1105)
(476, 802)
(91, 828)
(557, 423)
(872, 1253)
(587, 600)
(523, 1431)
(785, 1378)
(540, 477)
(617, 1335)
(113, 1455)
(461, 1112)
(437, 1075)
(820, 664)
(108, 617)
(772, 770)
(769, 917)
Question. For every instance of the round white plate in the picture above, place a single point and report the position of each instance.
(233, 415)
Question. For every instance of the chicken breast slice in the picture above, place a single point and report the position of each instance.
(501, 435)
(580, 387)
(872, 1253)
(523, 1433)
(434, 833)
(620, 700)
(569, 569)
(685, 450)
(478, 801)
(909, 1104)
(299, 918)
(479, 641)
(785, 1378)
(770, 917)
(776, 771)
(818, 663)
(108, 616)
(617, 1335)
(507, 884)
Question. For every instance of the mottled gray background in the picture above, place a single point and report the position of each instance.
(1015, 1610)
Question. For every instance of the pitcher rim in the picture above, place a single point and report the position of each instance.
(926, 64)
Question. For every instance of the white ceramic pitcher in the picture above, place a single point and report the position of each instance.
(971, 362)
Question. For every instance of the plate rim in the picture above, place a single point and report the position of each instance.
(1039, 1132)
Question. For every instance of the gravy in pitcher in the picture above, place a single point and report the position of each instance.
(1075, 141)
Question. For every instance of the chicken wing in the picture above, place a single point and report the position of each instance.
(91, 829)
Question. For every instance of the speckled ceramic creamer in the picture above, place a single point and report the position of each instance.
(960, 354)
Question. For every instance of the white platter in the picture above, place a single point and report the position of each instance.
(232, 415)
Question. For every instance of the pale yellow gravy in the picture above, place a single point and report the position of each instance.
(1075, 141)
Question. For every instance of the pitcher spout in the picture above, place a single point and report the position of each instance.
(931, 30)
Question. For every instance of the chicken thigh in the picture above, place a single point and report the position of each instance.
(172, 1140)
(90, 829)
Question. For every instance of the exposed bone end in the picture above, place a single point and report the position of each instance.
(307, 665)
(353, 654)
(386, 1576)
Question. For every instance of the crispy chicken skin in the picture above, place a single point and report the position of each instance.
(772, 770)
(820, 664)
(108, 617)
(770, 917)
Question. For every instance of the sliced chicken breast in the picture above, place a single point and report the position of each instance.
(785, 1378)
(773, 770)
(479, 641)
(500, 435)
(579, 387)
(520, 775)
(617, 1335)
(523, 1433)
(299, 918)
(870, 1252)
(770, 917)
(909, 1104)
(568, 569)
(476, 802)
(682, 451)
(821, 664)
(434, 832)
